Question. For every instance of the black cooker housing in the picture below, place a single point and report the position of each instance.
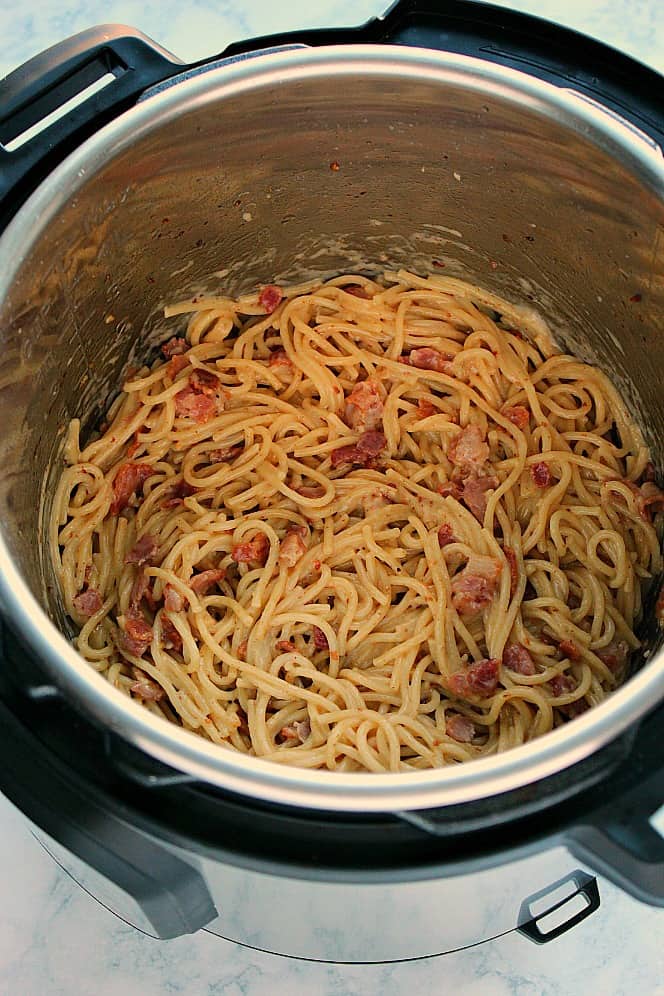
(113, 806)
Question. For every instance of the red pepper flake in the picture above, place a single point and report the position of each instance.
(335, 166)
(438, 263)
(635, 299)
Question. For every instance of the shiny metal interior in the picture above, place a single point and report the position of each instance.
(224, 181)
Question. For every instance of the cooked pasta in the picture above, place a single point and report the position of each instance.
(360, 525)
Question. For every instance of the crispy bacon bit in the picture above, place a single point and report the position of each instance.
(540, 474)
(226, 453)
(517, 659)
(427, 358)
(145, 688)
(242, 650)
(205, 382)
(459, 727)
(292, 547)
(475, 493)
(364, 452)
(129, 478)
(562, 684)
(364, 406)
(568, 648)
(201, 583)
(280, 358)
(451, 489)
(518, 415)
(468, 449)
(614, 656)
(173, 600)
(139, 591)
(177, 364)
(137, 635)
(253, 551)
(174, 347)
(320, 640)
(191, 404)
(514, 568)
(425, 408)
(286, 646)
(480, 680)
(296, 731)
(178, 492)
(473, 588)
(270, 298)
(311, 491)
(143, 551)
(170, 637)
(88, 602)
(445, 535)
(357, 290)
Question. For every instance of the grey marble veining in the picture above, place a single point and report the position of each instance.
(54, 939)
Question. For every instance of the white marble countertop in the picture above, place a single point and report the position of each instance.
(54, 939)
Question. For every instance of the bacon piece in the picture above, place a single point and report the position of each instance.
(357, 290)
(427, 358)
(475, 493)
(364, 406)
(191, 404)
(174, 347)
(128, 479)
(201, 583)
(270, 298)
(88, 602)
(296, 731)
(451, 489)
(320, 640)
(255, 550)
(650, 501)
(170, 637)
(468, 449)
(178, 492)
(143, 551)
(311, 491)
(480, 680)
(473, 588)
(517, 659)
(562, 684)
(147, 689)
(614, 655)
(177, 364)
(205, 382)
(459, 727)
(425, 408)
(139, 590)
(286, 646)
(514, 568)
(280, 358)
(364, 452)
(445, 535)
(173, 600)
(242, 650)
(137, 635)
(540, 474)
(292, 547)
(568, 648)
(518, 415)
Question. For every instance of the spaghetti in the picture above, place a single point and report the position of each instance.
(361, 525)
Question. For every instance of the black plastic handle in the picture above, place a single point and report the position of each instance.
(530, 924)
(44, 86)
(171, 893)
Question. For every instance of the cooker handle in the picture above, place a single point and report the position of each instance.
(171, 894)
(102, 71)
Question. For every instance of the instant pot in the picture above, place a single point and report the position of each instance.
(461, 136)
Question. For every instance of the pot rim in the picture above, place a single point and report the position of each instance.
(186, 751)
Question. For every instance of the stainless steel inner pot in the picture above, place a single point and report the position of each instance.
(224, 180)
